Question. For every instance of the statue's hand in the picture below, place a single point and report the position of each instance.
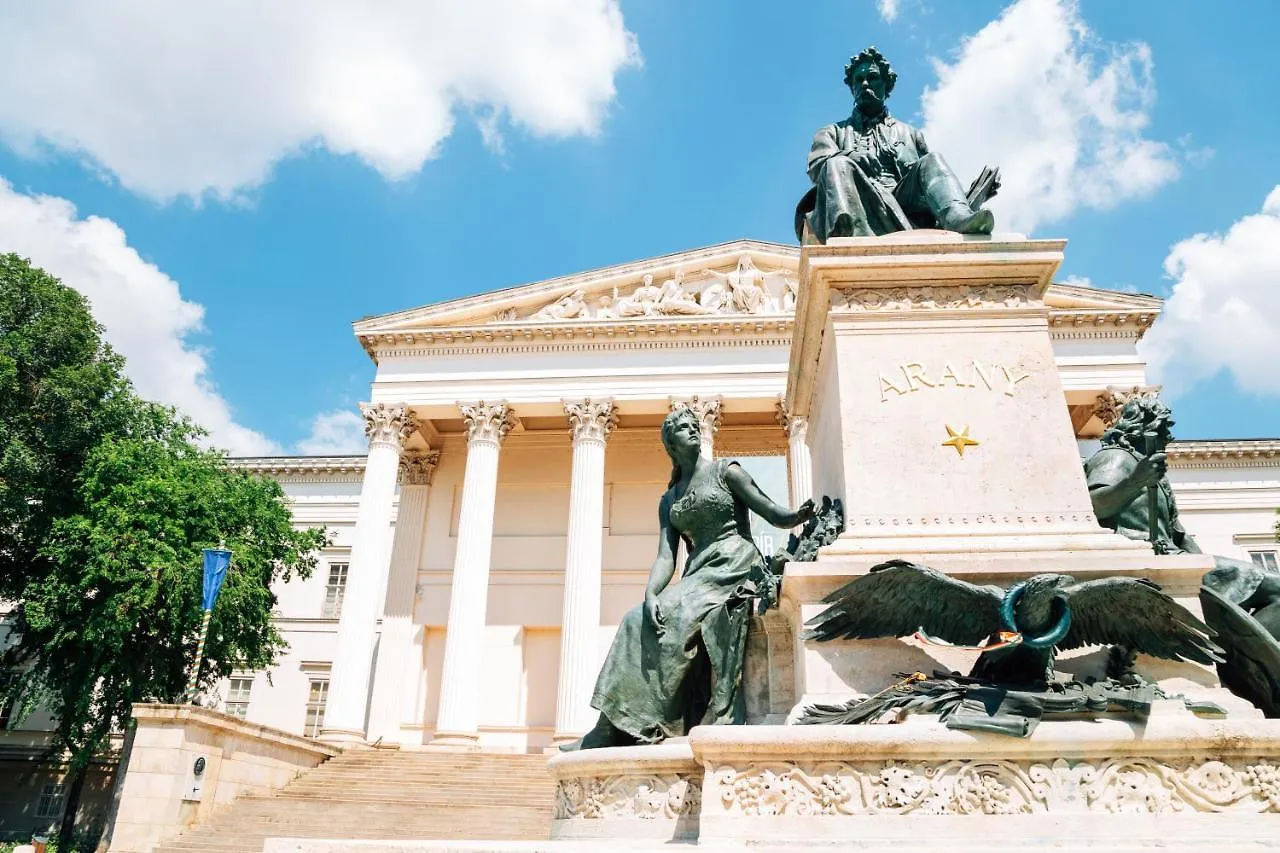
(1150, 470)
(653, 613)
(803, 513)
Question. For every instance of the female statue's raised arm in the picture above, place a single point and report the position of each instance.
(746, 490)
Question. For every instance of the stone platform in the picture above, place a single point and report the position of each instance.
(1174, 782)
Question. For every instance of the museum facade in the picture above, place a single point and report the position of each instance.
(505, 516)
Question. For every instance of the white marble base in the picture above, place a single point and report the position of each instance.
(1174, 782)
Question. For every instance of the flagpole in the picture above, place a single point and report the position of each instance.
(190, 692)
(216, 562)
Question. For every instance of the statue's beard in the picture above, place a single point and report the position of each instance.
(869, 105)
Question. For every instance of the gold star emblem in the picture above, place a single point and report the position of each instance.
(959, 440)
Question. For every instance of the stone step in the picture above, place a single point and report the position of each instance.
(390, 795)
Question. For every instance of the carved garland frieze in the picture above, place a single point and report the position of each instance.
(651, 796)
(935, 297)
(385, 424)
(993, 786)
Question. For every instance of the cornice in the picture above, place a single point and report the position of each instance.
(1225, 453)
(299, 465)
(1067, 323)
(571, 335)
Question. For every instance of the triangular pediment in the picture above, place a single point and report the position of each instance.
(740, 278)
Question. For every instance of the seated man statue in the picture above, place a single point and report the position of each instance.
(873, 174)
(1131, 495)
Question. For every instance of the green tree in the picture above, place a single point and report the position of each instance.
(108, 608)
(61, 391)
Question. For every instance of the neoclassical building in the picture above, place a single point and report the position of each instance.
(505, 515)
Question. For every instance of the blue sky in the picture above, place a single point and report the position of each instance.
(232, 187)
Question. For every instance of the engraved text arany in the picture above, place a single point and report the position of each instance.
(914, 376)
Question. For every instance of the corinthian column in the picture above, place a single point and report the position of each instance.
(590, 423)
(707, 410)
(344, 716)
(799, 462)
(456, 723)
(396, 674)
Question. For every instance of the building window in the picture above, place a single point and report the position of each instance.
(316, 698)
(51, 799)
(1265, 560)
(237, 704)
(334, 591)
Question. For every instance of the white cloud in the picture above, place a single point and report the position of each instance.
(1063, 115)
(141, 309)
(206, 96)
(888, 9)
(334, 433)
(1224, 312)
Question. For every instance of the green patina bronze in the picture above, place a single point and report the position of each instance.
(873, 174)
(1131, 495)
(676, 660)
(1013, 682)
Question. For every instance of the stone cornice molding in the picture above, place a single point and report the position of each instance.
(793, 426)
(487, 422)
(706, 409)
(591, 420)
(1245, 453)
(573, 335)
(388, 424)
(417, 467)
(1129, 323)
(317, 466)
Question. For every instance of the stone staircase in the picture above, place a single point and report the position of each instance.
(384, 794)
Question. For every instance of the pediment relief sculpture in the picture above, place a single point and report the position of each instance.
(744, 289)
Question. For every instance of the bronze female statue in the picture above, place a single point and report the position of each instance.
(676, 661)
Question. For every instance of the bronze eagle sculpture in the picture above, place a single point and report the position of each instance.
(1020, 628)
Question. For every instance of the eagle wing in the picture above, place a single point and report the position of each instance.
(1136, 613)
(898, 597)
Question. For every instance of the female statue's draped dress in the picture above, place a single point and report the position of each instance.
(655, 686)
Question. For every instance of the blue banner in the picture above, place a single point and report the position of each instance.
(216, 562)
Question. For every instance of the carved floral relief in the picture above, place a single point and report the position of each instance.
(993, 786)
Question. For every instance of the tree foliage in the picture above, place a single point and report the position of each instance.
(106, 501)
(61, 391)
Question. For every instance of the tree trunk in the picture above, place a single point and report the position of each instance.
(66, 832)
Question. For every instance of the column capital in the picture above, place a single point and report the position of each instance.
(591, 420)
(385, 424)
(417, 467)
(794, 425)
(1111, 401)
(707, 410)
(487, 422)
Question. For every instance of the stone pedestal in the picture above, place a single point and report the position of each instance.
(924, 366)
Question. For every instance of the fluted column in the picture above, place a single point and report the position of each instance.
(457, 720)
(707, 410)
(590, 423)
(344, 717)
(396, 673)
(799, 462)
